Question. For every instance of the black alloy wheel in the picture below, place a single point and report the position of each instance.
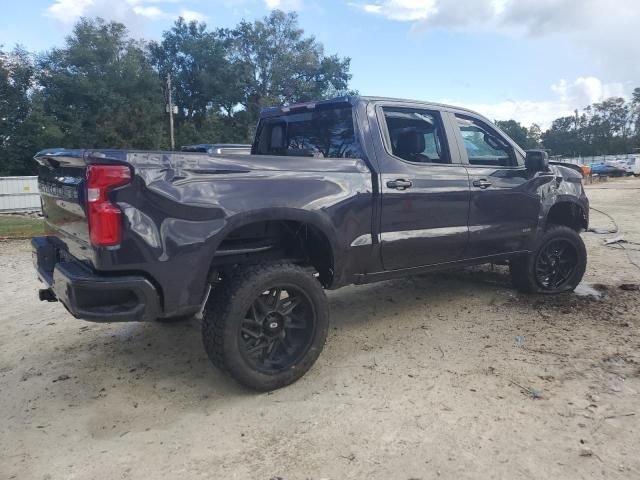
(278, 329)
(266, 324)
(555, 264)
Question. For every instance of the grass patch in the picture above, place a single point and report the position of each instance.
(19, 226)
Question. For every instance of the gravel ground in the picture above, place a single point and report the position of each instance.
(451, 376)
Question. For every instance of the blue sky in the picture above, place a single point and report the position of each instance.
(532, 60)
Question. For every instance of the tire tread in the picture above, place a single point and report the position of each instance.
(522, 268)
(218, 313)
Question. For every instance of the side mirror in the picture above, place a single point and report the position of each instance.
(537, 161)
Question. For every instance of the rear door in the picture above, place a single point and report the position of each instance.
(505, 202)
(425, 189)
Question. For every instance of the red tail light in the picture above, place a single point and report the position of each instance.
(105, 218)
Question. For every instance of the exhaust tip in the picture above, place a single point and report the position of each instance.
(47, 295)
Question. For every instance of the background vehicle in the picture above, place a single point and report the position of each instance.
(633, 166)
(586, 170)
(351, 190)
(218, 148)
(602, 168)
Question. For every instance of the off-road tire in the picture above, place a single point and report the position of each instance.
(227, 308)
(523, 268)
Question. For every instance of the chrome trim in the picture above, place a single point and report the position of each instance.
(366, 239)
(424, 233)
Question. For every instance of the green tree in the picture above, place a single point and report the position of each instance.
(517, 132)
(197, 62)
(563, 138)
(279, 64)
(607, 127)
(101, 89)
(16, 78)
(24, 127)
(38, 131)
(223, 78)
(206, 86)
(526, 138)
(534, 136)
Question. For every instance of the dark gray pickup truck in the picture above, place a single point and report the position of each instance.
(346, 191)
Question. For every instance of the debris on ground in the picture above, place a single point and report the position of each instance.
(586, 452)
(531, 392)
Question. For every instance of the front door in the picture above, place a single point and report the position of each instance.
(505, 203)
(425, 191)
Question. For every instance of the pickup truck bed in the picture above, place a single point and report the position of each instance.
(182, 206)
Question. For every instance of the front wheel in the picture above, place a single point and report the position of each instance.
(556, 265)
(266, 324)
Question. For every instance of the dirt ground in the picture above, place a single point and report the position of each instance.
(446, 376)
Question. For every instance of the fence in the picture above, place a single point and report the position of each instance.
(19, 194)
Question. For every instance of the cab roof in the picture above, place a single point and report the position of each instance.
(352, 100)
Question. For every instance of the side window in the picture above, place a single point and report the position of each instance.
(323, 133)
(483, 145)
(416, 135)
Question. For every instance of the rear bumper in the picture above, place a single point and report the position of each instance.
(90, 295)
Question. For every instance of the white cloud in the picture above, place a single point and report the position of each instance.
(531, 17)
(151, 12)
(607, 32)
(192, 16)
(284, 4)
(452, 12)
(534, 16)
(587, 90)
(402, 10)
(128, 11)
(569, 96)
(68, 10)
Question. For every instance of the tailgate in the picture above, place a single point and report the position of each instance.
(61, 180)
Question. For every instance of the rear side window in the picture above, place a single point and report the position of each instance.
(484, 146)
(416, 135)
(322, 133)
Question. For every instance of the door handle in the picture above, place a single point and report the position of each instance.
(482, 183)
(399, 184)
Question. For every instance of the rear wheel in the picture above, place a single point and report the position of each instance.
(266, 324)
(557, 264)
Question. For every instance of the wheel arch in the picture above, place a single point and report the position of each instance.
(310, 231)
(567, 212)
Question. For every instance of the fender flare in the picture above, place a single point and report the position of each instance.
(314, 219)
(566, 199)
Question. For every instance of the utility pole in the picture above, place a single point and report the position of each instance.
(173, 141)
